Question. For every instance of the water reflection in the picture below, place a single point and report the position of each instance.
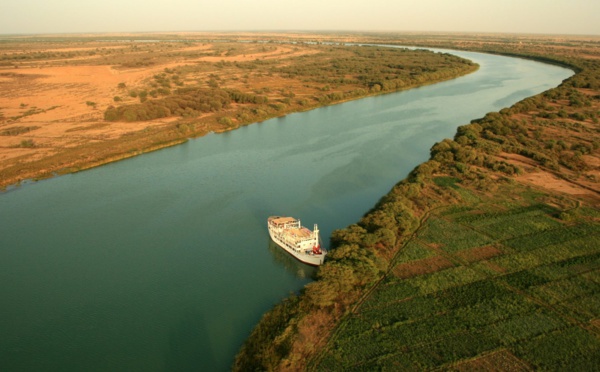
(291, 264)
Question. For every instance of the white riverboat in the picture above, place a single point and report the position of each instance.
(297, 240)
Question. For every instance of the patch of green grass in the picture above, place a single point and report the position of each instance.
(584, 308)
(510, 226)
(564, 290)
(446, 182)
(569, 267)
(408, 309)
(570, 349)
(524, 279)
(391, 292)
(444, 279)
(468, 196)
(414, 251)
(525, 326)
(558, 235)
(452, 237)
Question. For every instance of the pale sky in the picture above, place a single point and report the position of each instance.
(514, 16)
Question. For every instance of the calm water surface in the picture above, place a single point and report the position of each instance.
(163, 262)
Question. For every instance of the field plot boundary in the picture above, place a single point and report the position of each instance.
(438, 300)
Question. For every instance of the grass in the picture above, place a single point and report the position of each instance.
(453, 237)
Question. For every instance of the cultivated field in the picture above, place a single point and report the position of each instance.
(516, 283)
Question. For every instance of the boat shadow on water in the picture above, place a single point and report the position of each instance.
(291, 264)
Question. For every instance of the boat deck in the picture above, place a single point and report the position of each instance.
(283, 220)
(299, 234)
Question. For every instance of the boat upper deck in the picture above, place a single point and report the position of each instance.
(282, 220)
(299, 234)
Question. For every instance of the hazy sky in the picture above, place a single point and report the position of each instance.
(520, 16)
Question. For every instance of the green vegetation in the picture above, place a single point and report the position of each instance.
(374, 68)
(335, 74)
(461, 266)
(15, 131)
(524, 297)
(493, 274)
(31, 111)
(27, 143)
(186, 102)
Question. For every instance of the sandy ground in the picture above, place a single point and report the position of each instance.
(547, 180)
(58, 98)
(55, 102)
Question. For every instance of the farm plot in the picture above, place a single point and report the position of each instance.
(500, 280)
(452, 237)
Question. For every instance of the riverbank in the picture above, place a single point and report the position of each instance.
(42, 135)
(163, 261)
(529, 170)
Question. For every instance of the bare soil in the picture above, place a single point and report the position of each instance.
(581, 186)
(421, 267)
(63, 103)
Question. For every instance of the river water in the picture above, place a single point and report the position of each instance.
(163, 261)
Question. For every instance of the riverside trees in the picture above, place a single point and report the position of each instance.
(333, 74)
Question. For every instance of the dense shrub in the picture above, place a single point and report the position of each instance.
(186, 102)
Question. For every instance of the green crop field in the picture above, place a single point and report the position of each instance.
(519, 287)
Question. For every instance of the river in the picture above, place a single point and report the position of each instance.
(163, 261)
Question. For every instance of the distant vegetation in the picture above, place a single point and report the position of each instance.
(374, 68)
(188, 102)
(334, 75)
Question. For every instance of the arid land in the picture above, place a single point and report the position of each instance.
(55, 90)
(53, 103)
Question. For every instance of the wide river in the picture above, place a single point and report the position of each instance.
(164, 262)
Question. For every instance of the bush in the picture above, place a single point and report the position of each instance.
(225, 121)
(28, 143)
(187, 102)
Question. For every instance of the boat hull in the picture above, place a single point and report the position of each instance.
(282, 237)
(304, 258)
